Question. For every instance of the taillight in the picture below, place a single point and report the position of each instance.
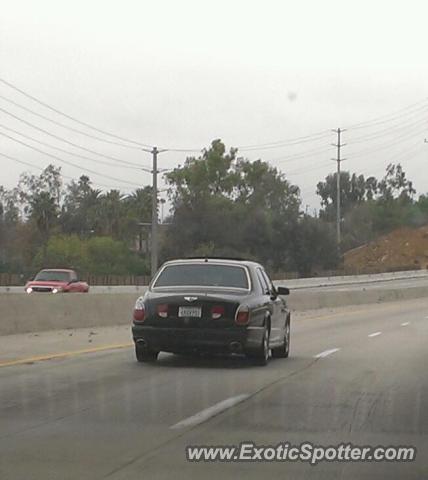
(163, 310)
(139, 315)
(242, 315)
(217, 312)
(139, 311)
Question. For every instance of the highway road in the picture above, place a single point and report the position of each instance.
(356, 374)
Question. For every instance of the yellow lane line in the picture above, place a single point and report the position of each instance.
(74, 353)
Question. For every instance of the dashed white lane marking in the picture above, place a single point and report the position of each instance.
(404, 324)
(375, 334)
(326, 353)
(209, 412)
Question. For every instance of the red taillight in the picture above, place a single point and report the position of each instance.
(242, 316)
(217, 312)
(139, 314)
(163, 310)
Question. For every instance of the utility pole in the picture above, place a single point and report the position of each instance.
(338, 159)
(154, 223)
(154, 245)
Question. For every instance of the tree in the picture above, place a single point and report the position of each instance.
(354, 190)
(43, 210)
(107, 256)
(395, 185)
(110, 221)
(44, 224)
(200, 178)
(66, 251)
(138, 209)
(40, 198)
(96, 255)
(80, 211)
(261, 186)
(314, 246)
(224, 205)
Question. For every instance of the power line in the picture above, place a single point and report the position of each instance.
(384, 118)
(62, 125)
(317, 151)
(403, 155)
(299, 156)
(284, 143)
(412, 109)
(386, 131)
(68, 162)
(32, 165)
(102, 162)
(184, 150)
(46, 132)
(85, 124)
(387, 145)
(59, 112)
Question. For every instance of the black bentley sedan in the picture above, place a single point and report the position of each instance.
(212, 305)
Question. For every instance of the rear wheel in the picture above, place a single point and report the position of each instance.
(145, 355)
(284, 350)
(261, 356)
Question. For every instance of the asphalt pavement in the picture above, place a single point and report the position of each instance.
(355, 374)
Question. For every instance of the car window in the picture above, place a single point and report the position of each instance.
(52, 276)
(262, 281)
(270, 285)
(203, 275)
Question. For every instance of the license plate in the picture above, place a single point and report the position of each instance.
(189, 311)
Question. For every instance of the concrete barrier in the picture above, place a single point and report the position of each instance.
(34, 313)
(299, 283)
(312, 300)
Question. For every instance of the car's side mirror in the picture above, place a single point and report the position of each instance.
(283, 290)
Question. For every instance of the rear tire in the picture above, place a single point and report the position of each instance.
(284, 350)
(261, 356)
(145, 355)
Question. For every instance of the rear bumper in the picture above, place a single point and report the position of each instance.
(238, 339)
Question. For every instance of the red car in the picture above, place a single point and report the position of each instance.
(56, 281)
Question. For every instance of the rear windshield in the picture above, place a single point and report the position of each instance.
(203, 275)
(52, 276)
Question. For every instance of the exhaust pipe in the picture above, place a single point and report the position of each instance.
(141, 342)
(235, 347)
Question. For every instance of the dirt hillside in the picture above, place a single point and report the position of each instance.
(405, 247)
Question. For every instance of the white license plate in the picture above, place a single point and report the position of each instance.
(189, 311)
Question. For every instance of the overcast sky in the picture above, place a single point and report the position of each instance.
(179, 74)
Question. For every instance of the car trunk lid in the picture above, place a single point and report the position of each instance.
(197, 309)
